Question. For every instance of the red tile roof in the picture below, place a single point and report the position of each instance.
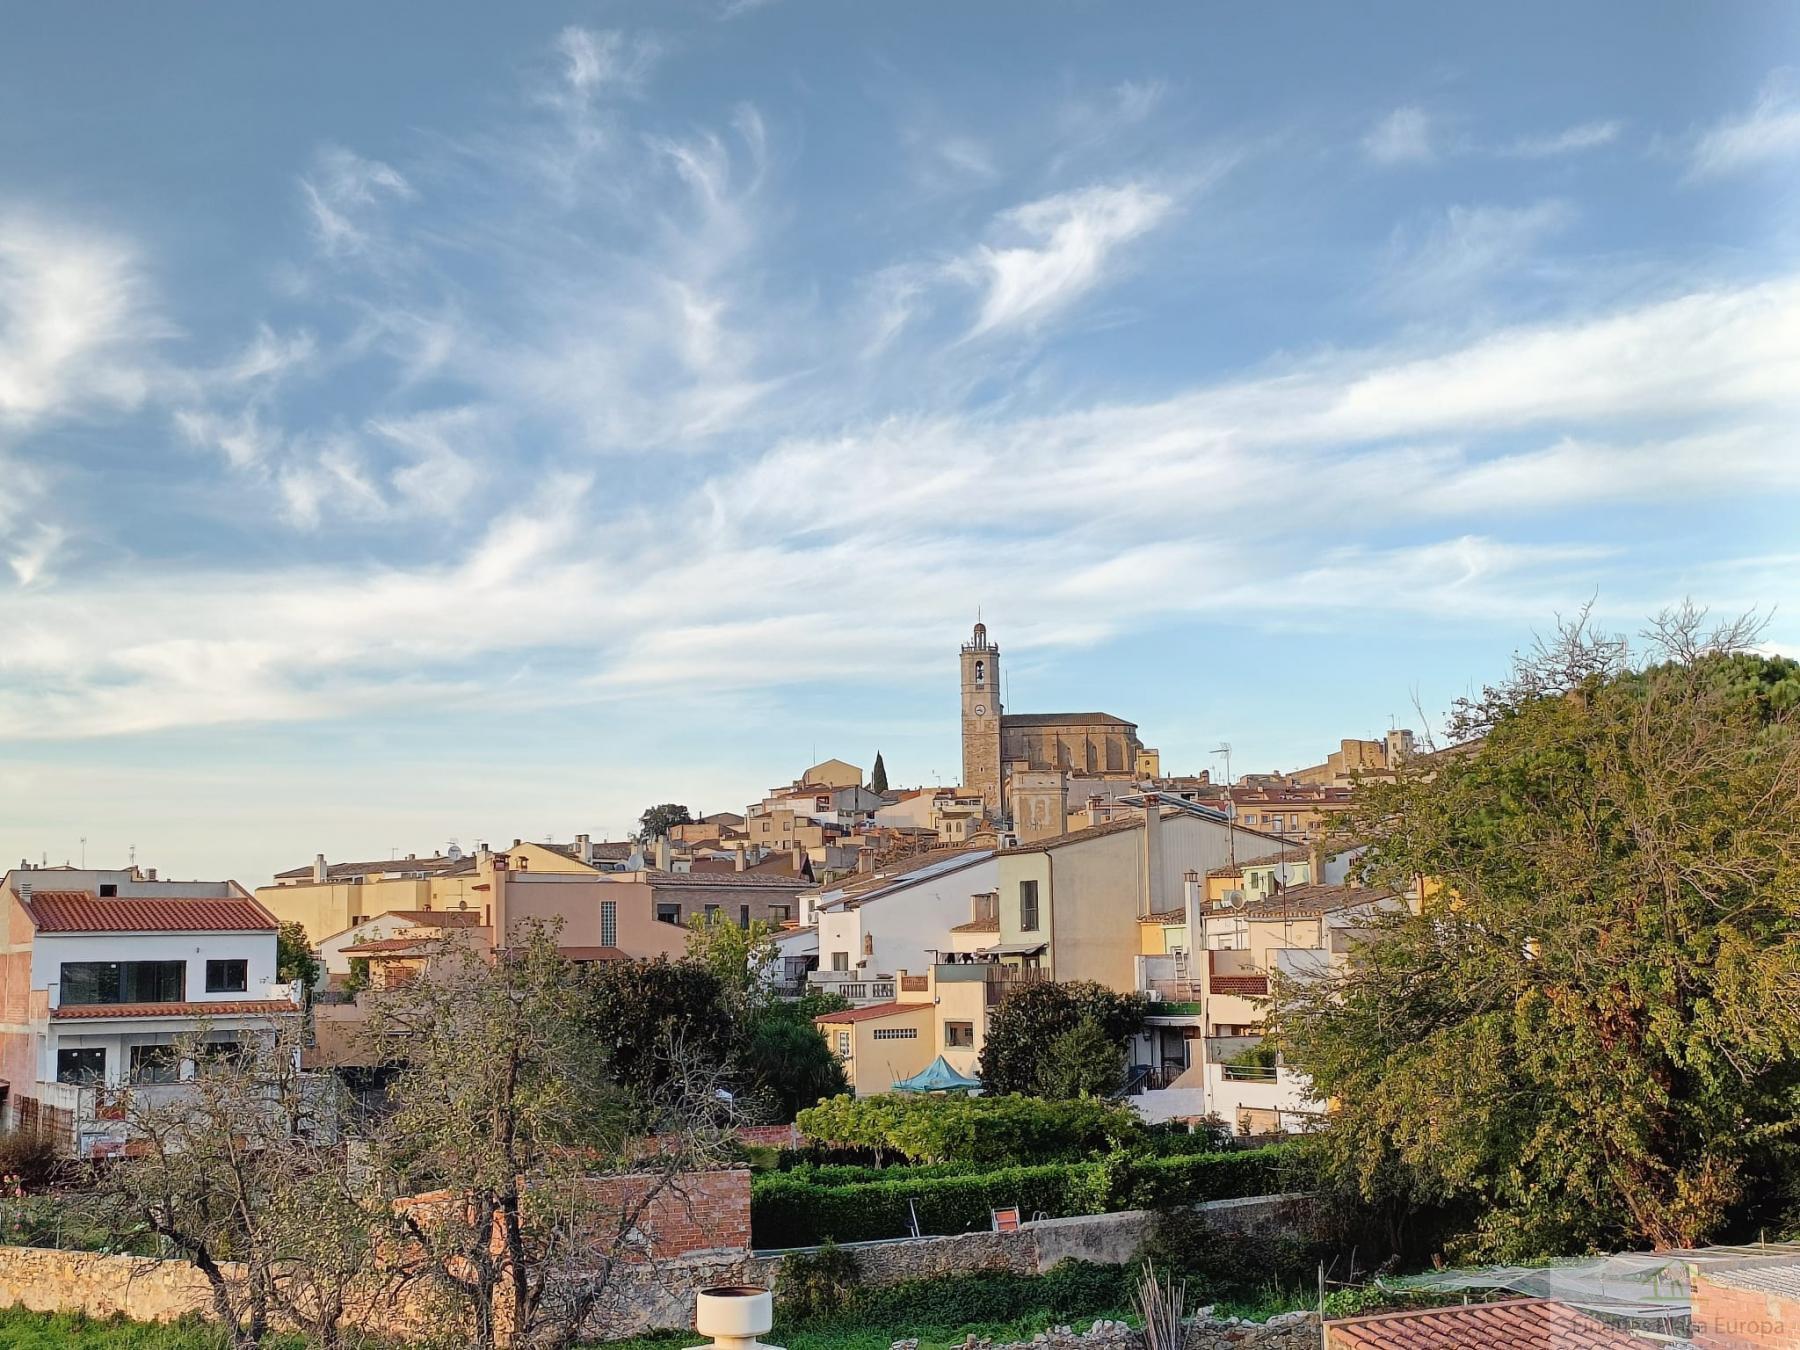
(232, 1007)
(84, 912)
(978, 926)
(1515, 1324)
(870, 1013)
(436, 918)
(1239, 984)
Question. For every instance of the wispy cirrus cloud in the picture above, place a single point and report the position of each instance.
(1768, 133)
(77, 324)
(1403, 136)
(1449, 256)
(1573, 140)
(1063, 245)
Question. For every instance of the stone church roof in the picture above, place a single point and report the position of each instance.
(1086, 719)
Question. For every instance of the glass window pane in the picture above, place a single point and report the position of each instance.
(80, 1066)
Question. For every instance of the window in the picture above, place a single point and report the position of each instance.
(896, 1033)
(712, 912)
(780, 913)
(843, 1039)
(80, 1066)
(227, 977)
(88, 982)
(743, 916)
(222, 1053)
(154, 1064)
(609, 923)
(1028, 907)
(959, 1035)
(668, 913)
(1280, 827)
(981, 672)
(108, 890)
(840, 960)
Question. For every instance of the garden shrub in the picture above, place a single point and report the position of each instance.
(30, 1156)
(1070, 1289)
(999, 1130)
(789, 1212)
(814, 1284)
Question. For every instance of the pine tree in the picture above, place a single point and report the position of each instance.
(878, 775)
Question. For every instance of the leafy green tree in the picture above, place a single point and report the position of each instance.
(878, 775)
(741, 958)
(659, 820)
(785, 1062)
(294, 956)
(648, 1015)
(1081, 1062)
(1588, 1036)
(1032, 1016)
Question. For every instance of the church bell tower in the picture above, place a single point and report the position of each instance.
(981, 719)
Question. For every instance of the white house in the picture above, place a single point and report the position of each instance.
(880, 923)
(102, 971)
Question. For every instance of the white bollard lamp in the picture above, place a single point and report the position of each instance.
(734, 1315)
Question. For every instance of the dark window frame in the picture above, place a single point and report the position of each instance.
(153, 1064)
(84, 1053)
(1028, 906)
(116, 982)
(218, 983)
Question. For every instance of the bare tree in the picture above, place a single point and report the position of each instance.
(239, 1167)
(504, 1123)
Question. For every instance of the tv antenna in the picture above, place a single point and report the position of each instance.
(1230, 805)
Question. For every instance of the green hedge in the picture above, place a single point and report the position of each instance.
(786, 1211)
(998, 1131)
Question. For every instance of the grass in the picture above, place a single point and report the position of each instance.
(22, 1330)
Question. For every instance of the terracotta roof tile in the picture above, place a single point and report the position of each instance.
(1514, 1324)
(388, 946)
(870, 1013)
(84, 912)
(978, 926)
(1255, 985)
(1237, 869)
(225, 1007)
(1310, 902)
(1164, 916)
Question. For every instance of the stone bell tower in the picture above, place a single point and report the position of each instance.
(981, 720)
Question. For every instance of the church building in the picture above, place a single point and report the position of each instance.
(1021, 763)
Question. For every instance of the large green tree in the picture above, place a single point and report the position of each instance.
(1590, 1035)
(660, 819)
(1024, 1051)
(878, 775)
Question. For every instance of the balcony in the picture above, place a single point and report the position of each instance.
(857, 988)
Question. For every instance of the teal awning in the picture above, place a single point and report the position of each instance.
(937, 1076)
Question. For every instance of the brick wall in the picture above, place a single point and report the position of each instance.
(1742, 1319)
(696, 1212)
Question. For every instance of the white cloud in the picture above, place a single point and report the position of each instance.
(1769, 131)
(1404, 136)
(1069, 237)
(76, 324)
(1464, 247)
(32, 550)
(344, 195)
(1569, 141)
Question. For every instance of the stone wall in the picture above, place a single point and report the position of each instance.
(45, 1280)
(661, 1296)
(658, 1294)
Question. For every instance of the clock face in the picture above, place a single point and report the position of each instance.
(981, 710)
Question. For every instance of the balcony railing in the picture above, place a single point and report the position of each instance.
(1249, 1073)
(865, 991)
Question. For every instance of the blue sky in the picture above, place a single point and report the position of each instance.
(481, 421)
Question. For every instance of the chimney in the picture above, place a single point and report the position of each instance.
(1194, 901)
(1153, 851)
(149, 874)
(483, 854)
(584, 848)
(319, 872)
(797, 856)
(738, 861)
(1315, 863)
(25, 891)
(662, 853)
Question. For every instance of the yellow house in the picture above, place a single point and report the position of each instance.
(943, 1011)
(1259, 877)
(327, 898)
